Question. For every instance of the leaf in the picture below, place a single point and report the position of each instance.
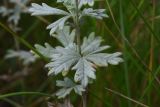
(114, 58)
(91, 50)
(102, 59)
(65, 36)
(97, 13)
(92, 55)
(25, 56)
(4, 11)
(14, 13)
(14, 18)
(59, 24)
(92, 44)
(67, 86)
(63, 59)
(37, 9)
(46, 51)
(89, 2)
(84, 71)
(98, 59)
(68, 58)
(19, 1)
(67, 2)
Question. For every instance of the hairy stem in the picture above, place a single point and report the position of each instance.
(68, 102)
(84, 99)
(78, 39)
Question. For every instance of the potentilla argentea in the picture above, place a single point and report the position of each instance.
(74, 55)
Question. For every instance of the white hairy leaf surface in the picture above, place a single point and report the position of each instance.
(25, 56)
(89, 2)
(67, 86)
(63, 61)
(65, 36)
(68, 58)
(15, 11)
(4, 11)
(95, 13)
(46, 51)
(84, 71)
(44, 9)
(59, 24)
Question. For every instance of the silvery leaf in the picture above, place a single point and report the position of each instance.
(67, 86)
(97, 13)
(92, 51)
(59, 24)
(103, 59)
(37, 9)
(25, 56)
(46, 51)
(114, 58)
(84, 2)
(63, 60)
(69, 4)
(68, 57)
(19, 1)
(84, 71)
(92, 44)
(14, 18)
(14, 12)
(4, 11)
(65, 36)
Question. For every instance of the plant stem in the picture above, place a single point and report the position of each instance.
(68, 102)
(78, 39)
(84, 99)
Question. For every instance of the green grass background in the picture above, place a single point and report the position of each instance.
(133, 28)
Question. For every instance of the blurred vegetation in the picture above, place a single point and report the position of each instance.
(132, 28)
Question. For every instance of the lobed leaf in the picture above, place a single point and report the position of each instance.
(59, 24)
(65, 36)
(97, 13)
(67, 86)
(46, 51)
(84, 71)
(44, 9)
(25, 56)
(63, 60)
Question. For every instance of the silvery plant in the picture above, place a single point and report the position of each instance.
(77, 56)
(13, 15)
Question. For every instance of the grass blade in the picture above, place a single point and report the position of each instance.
(24, 93)
(145, 21)
(123, 96)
